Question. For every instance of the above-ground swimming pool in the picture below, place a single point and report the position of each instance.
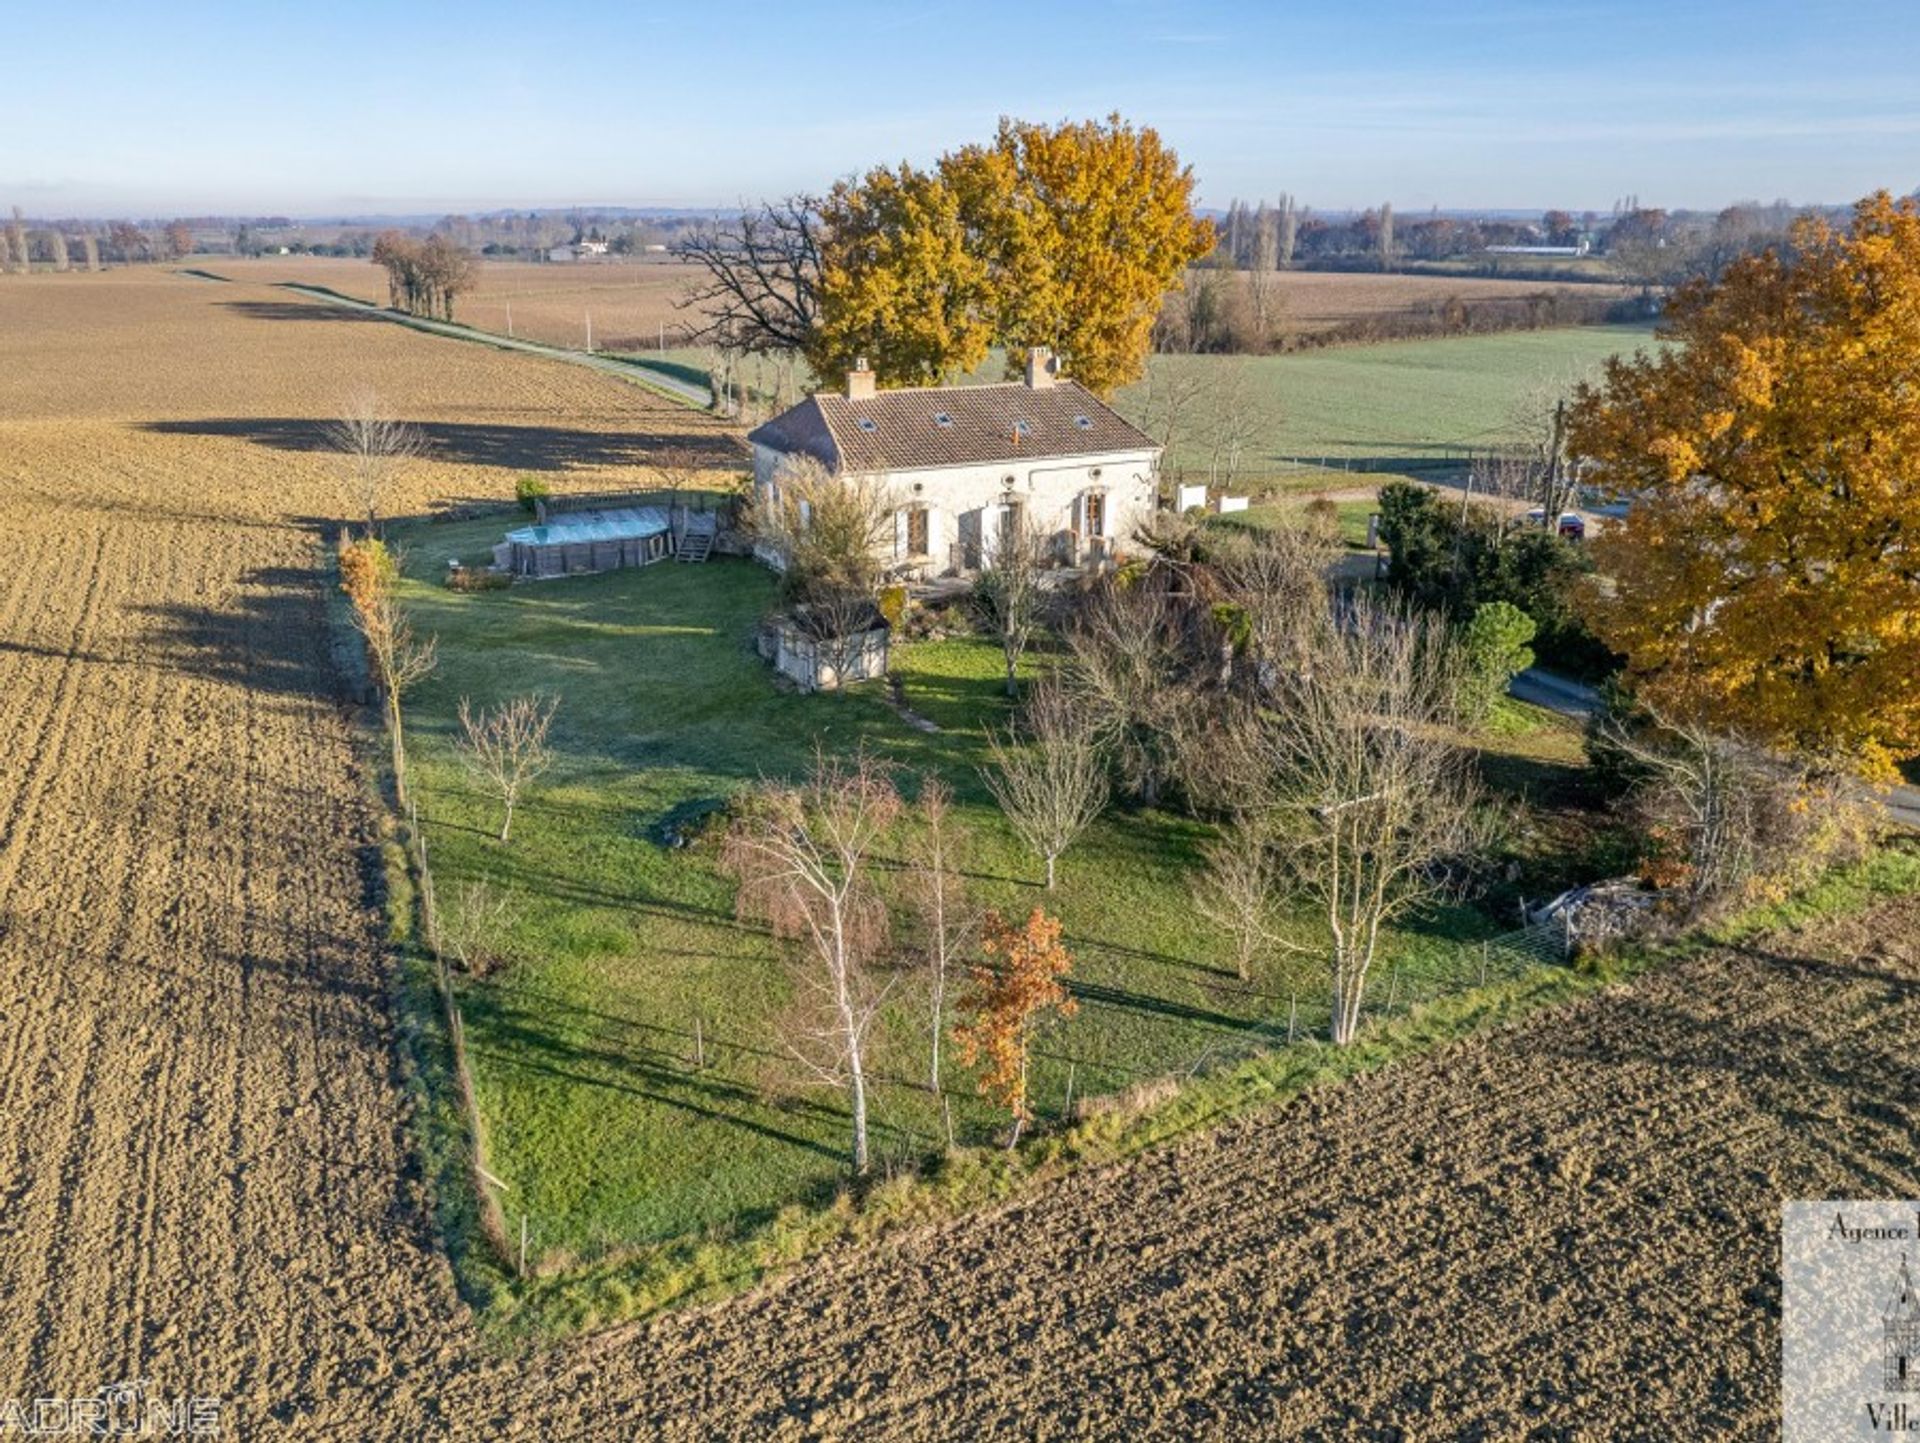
(588, 541)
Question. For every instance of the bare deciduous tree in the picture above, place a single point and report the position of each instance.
(373, 450)
(1048, 776)
(1165, 407)
(1126, 675)
(828, 532)
(803, 856)
(474, 934)
(57, 249)
(17, 243)
(1729, 818)
(1234, 411)
(507, 748)
(1010, 587)
(90, 249)
(1370, 804)
(936, 890)
(1263, 282)
(761, 291)
(1278, 579)
(1238, 891)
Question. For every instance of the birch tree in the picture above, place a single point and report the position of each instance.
(803, 855)
(938, 897)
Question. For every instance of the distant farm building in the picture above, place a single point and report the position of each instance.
(1579, 248)
(579, 251)
(966, 465)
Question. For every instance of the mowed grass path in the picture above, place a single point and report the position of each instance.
(605, 1130)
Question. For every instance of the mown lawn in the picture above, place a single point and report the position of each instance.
(599, 1121)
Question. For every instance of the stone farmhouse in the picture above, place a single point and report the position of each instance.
(965, 463)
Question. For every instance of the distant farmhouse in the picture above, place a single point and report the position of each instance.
(585, 250)
(966, 463)
(1578, 248)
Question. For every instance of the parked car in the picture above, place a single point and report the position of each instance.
(1571, 525)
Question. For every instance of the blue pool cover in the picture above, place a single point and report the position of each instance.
(624, 523)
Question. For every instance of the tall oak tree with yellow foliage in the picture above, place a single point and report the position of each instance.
(1065, 236)
(1766, 578)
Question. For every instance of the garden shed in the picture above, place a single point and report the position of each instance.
(823, 649)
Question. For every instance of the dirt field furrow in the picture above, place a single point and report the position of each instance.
(1563, 1230)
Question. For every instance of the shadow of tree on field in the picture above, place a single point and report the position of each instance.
(272, 636)
(525, 448)
(507, 1034)
(297, 311)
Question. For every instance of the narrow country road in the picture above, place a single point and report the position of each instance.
(1576, 699)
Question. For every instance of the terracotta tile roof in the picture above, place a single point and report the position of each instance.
(904, 430)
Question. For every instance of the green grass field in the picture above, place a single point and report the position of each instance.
(1405, 406)
(607, 1133)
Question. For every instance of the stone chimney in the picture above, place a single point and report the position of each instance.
(1042, 369)
(860, 382)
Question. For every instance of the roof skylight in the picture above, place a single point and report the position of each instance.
(1085, 423)
(867, 424)
(941, 418)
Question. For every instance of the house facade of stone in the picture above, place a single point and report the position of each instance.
(963, 464)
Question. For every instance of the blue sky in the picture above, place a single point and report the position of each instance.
(343, 106)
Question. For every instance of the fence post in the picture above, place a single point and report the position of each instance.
(523, 1245)
(946, 1112)
(1484, 949)
(1066, 1112)
(1293, 1013)
(1393, 987)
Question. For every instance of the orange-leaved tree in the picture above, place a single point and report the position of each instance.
(898, 283)
(398, 658)
(1766, 578)
(1017, 979)
(1050, 235)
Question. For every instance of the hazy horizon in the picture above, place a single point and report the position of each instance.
(219, 109)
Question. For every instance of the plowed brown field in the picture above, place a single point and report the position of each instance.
(636, 304)
(1563, 1230)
